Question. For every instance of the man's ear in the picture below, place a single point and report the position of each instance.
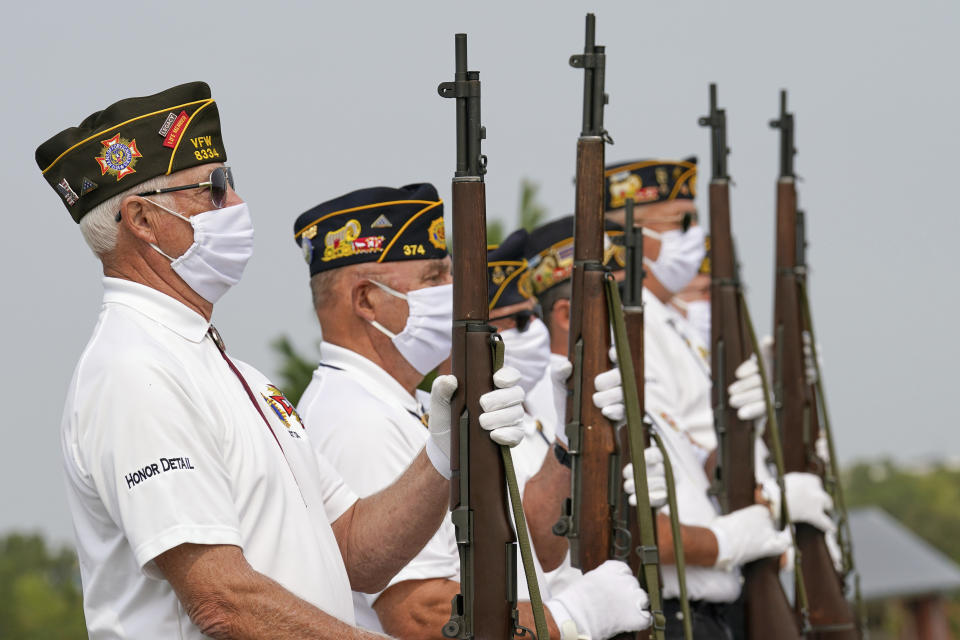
(560, 315)
(360, 299)
(137, 220)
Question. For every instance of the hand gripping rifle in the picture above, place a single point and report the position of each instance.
(482, 471)
(768, 613)
(830, 615)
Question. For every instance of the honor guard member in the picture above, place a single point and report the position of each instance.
(545, 482)
(549, 251)
(693, 301)
(381, 286)
(200, 507)
(714, 545)
(677, 359)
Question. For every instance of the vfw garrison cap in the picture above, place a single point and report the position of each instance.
(549, 253)
(379, 224)
(130, 142)
(506, 267)
(649, 181)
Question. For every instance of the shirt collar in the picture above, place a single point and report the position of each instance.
(157, 306)
(354, 363)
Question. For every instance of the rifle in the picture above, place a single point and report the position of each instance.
(830, 615)
(641, 550)
(589, 518)
(594, 515)
(768, 613)
(481, 471)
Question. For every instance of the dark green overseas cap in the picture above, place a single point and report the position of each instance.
(130, 142)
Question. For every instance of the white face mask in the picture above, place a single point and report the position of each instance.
(428, 335)
(222, 245)
(680, 256)
(698, 315)
(528, 352)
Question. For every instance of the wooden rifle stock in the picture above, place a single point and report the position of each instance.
(767, 611)
(830, 615)
(593, 446)
(486, 605)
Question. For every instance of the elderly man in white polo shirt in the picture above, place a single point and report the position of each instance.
(381, 285)
(200, 507)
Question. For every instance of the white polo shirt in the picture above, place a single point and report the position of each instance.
(371, 429)
(163, 446)
(695, 508)
(678, 371)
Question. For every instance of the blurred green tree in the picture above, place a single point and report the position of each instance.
(40, 595)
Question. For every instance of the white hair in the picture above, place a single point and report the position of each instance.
(99, 226)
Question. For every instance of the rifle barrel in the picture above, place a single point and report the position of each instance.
(484, 608)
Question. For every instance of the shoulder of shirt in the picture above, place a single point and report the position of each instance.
(333, 395)
(124, 350)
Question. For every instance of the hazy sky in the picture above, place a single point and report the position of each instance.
(317, 99)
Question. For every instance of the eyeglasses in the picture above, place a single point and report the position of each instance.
(522, 318)
(220, 179)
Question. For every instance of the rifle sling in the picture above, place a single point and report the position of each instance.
(679, 558)
(648, 545)
(520, 522)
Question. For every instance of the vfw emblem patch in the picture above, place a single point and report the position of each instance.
(282, 407)
(118, 157)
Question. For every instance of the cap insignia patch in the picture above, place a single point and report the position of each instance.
(177, 127)
(346, 241)
(118, 157)
(167, 124)
(66, 192)
(437, 234)
(87, 186)
(307, 247)
(629, 186)
(381, 222)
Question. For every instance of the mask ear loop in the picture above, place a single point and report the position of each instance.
(393, 292)
(376, 325)
(382, 329)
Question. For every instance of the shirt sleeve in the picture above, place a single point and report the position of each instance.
(337, 496)
(153, 455)
(371, 448)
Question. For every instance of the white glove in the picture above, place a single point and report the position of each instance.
(807, 500)
(608, 396)
(746, 393)
(602, 603)
(502, 415)
(810, 367)
(438, 424)
(822, 447)
(747, 534)
(503, 408)
(560, 370)
(656, 479)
